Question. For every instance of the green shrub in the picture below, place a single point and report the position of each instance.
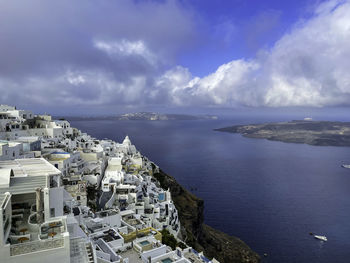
(169, 240)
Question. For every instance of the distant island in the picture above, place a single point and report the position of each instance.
(153, 116)
(321, 133)
(148, 116)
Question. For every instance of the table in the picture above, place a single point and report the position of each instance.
(53, 225)
(52, 234)
(22, 239)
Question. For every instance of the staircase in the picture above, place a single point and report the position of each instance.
(89, 252)
(81, 251)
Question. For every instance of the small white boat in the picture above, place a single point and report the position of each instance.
(323, 238)
(346, 166)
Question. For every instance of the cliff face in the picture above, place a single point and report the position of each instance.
(225, 248)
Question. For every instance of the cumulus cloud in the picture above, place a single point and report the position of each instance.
(216, 88)
(127, 48)
(87, 52)
(309, 66)
(122, 53)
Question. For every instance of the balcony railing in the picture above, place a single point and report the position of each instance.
(35, 246)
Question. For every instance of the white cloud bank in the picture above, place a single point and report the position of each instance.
(309, 66)
(104, 57)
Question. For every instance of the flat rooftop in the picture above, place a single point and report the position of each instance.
(24, 185)
(27, 139)
(29, 167)
(126, 212)
(193, 257)
(132, 255)
(25, 175)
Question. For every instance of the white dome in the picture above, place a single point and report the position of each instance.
(127, 140)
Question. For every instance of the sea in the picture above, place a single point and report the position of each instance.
(269, 194)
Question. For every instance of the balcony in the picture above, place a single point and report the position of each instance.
(35, 246)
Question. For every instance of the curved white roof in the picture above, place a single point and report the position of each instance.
(127, 140)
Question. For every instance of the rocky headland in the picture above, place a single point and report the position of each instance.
(320, 133)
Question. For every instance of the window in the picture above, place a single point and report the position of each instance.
(13, 154)
(52, 212)
(56, 165)
(78, 197)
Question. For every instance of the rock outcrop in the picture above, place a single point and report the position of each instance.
(214, 243)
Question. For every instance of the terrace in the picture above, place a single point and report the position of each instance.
(107, 243)
(146, 243)
(52, 229)
(133, 222)
(170, 257)
(24, 227)
(35, 246)
(28, 236)
(106, 213)
(132, 255)
(142, 233)
(108, 236)
(195, 257)
(94, 224)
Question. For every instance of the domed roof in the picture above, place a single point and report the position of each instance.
(127, 140)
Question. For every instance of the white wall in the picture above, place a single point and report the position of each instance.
(56, 200)
(153, 253)
(61, 254)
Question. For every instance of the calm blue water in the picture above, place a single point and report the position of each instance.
(269, 194)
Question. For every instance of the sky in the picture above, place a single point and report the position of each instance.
(88, 57)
